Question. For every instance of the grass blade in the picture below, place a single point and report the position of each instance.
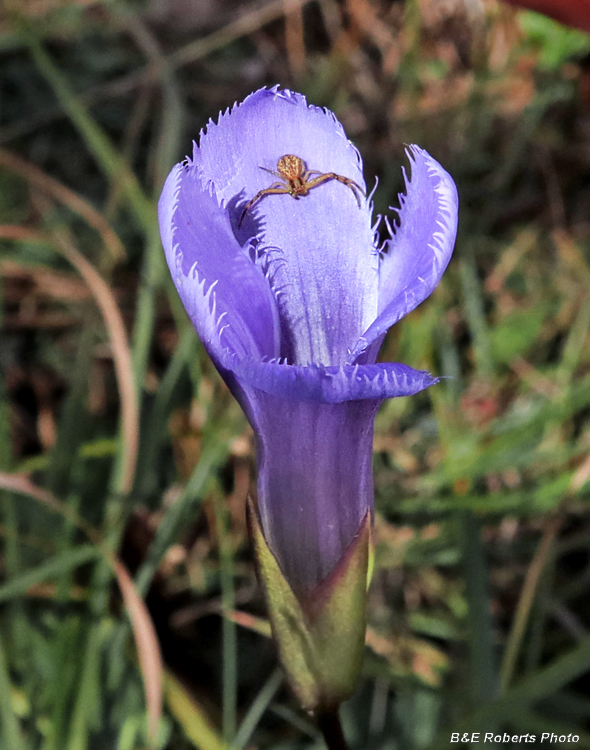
(53, 568)
(9, 728)
(256, 710)
(190, 715)
(148, 649)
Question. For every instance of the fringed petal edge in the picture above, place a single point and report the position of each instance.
(330, 384)
(415, 258)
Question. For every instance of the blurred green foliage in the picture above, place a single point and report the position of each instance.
(555, 44)
(478, 608)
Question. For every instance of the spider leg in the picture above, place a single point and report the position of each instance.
(344, 180)
(275, 189)
(271, 171)
(354, 186)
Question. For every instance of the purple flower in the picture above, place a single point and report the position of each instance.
(292, 300)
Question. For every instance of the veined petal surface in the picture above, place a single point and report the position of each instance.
(312, 509)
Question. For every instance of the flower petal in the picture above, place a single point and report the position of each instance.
(315, 482)
(319, 248)
(417, 255)
(225, 293)
(331, 385)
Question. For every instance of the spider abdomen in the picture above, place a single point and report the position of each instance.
(291, 167)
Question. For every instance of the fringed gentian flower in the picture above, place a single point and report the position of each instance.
(292, 296)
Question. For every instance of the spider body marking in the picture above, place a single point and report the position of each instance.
(295, 181)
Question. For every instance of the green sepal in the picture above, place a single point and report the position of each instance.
(320, 635)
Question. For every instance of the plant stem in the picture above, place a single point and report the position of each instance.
(331, 729)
